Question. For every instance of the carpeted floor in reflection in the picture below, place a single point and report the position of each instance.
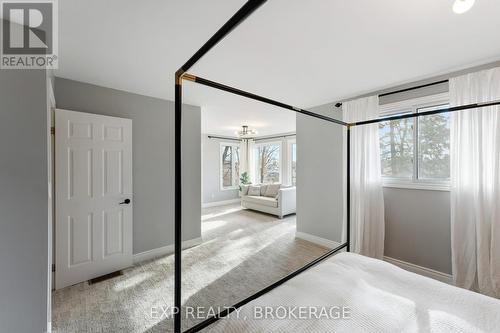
(242, 252)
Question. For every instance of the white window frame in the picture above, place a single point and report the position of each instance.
(255, 167)
(412, 106)
(221, 168)
(290, 143)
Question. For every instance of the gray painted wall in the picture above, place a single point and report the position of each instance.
(23, 201)
(320, 175)
(153, 157)
(417, 222)
(417, 227)
(211, 172)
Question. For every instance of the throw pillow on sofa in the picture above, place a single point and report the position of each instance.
(254, 190)
(244, 189)
(272, 190)
(263, 189)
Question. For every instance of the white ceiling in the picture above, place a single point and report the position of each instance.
(303, 53)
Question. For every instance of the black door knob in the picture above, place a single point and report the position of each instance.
(125, 202)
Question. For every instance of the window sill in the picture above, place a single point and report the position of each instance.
(418, 186)
(230, 188)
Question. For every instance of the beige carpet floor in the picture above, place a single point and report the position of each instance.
(242, 252)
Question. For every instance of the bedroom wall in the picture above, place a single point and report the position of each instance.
(153, 157)
(211, 172)
(320, 201)
(417, 227)
(24, 227)
(417, 221)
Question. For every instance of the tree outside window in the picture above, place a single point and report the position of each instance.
(396, 148)
(416, 149)
(268, 163)
(230, 166)
(434, 146)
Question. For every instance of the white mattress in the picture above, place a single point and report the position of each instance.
(381, 298)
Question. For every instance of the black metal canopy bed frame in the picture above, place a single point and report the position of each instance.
(182, 74)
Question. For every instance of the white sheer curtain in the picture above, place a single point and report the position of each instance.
(367, 200)
(247, 158)
(243, 156)
(475, 183)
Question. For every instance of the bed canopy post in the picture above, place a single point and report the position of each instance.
(248, 8)
(178, 203)
(348, 189)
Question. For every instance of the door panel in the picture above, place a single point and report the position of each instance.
(113, 232)
(93, 176)
(80, 173)
(112, 171)
(80, 239)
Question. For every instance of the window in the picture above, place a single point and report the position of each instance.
(396, 148)
(434, 145)
(416, 150)
(230, 165)
(292, 166)
(268, 162)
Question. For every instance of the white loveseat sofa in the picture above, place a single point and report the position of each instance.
(272, 199)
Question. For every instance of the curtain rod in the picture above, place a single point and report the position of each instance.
(222, 138)
(428, 113)
(256, 139)
(274, 137)
(405, 90)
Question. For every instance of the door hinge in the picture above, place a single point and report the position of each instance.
(53, 267)
(53, 130)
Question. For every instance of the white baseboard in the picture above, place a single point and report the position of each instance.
(152, 254)
(161, 251)
(317, 240)
(220, 203)
(431, 273)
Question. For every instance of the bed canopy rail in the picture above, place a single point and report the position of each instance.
(227, 311)
(246, 94)
(248, 8)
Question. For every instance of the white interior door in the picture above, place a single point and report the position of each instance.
(93, 196)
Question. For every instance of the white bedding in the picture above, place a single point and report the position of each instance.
(381, 298)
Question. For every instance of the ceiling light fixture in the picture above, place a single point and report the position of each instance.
(462, 6)
(245, 131)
